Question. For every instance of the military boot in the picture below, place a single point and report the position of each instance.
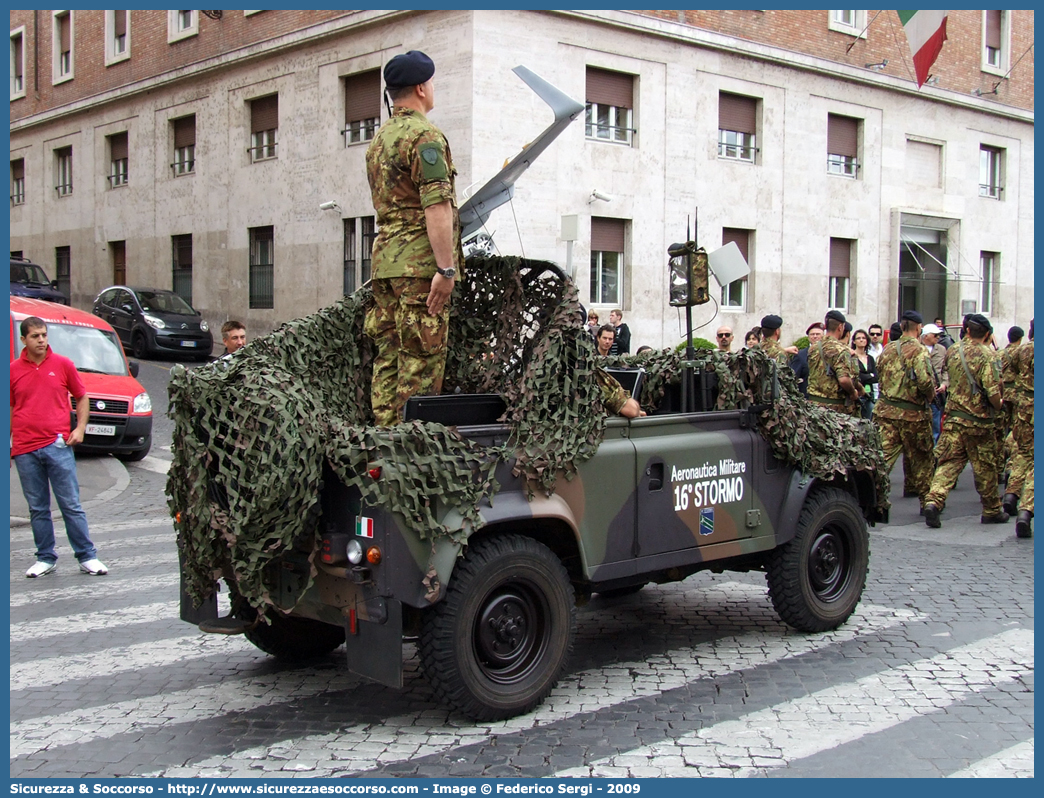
(1023, 527)
(997, 518)
(931, 516)
(1010, 503)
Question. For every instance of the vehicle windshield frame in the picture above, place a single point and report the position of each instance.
(33, 274)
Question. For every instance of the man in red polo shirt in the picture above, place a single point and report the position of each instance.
(41, 442)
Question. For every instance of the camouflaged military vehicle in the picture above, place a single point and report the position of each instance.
(478, 526)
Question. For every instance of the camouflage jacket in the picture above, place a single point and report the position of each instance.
(773, 348)
(907, 381)
(1022, 366)
(968, 402)
(614, 396)
(1008, 371)
(410, 168)
(828, 360)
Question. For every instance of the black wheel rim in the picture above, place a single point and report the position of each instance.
(510, 634)
(829, 564)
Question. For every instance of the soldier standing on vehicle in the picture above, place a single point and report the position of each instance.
(903, 412)
(968, 430)
(417, 254)
(770, 345)
(831, 375)
(1019, 495)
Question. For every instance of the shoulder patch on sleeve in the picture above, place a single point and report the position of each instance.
(433, 162)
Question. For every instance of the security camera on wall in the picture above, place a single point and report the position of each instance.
(329, 205)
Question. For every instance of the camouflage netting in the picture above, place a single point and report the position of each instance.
(253, 431)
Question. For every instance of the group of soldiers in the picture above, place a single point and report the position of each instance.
(990, 399)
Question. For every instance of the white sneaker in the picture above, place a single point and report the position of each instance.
(94, 567)
(40, 568)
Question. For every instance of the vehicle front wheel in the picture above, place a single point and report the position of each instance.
(133, 457)
(292, 639)
(816, 579)
(498, 642)
(140, 346)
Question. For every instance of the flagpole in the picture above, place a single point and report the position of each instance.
(860, 34)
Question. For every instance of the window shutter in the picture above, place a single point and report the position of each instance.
(737, 113)
(842, 135)
(18, 169)
(607, 235)
(64, 39)
(741, 237)
(264, 113)
(362, 96)
(118, 146)
(184, 132)
(840, 257)
(993, 29)
(610, 88)
(119, 27)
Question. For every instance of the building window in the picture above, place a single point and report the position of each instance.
(117, 36)
(734, 295)
(737, 123)
(181, 269)
(184, 146)
(262, 266)
(264, 125)
(63, 269)
(359, 235)
(995, 41)
(18, 63)
(607, 261)
(842, 145)
(181, 25)
(840, 273)
(988, 262)
(851, 22)
(18, 181)
(362, 106)
(118, 159)
(991, 172)
(62, 46)
(118, 249)
(63, 171)
(610, 103)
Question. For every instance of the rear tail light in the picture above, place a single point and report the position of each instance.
(373, 555)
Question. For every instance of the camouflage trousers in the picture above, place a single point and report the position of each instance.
(1026, 497)
(960, 444)
(1022, 460)
(912, 439)
(410, 342)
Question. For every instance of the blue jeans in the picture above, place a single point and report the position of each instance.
(936, 421)
(57, 466)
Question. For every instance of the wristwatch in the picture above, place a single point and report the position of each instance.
(449, 273)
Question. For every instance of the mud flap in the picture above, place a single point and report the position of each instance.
(374, 647)
(207, 611)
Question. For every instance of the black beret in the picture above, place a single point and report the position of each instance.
(978, 318)
(771, 322)
(836, 315)
(1015, 333)
(895, 331)
(408, 69)
(848, 327)
(914, 316)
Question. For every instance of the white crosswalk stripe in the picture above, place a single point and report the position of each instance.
(107, 547)
(20, 534)
(781, 734)
(116, 564)
(1016, 761)
(108, 586)
(156, 465)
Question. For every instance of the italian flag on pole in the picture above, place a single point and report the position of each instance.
(926, 31)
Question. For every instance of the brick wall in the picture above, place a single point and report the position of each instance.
(958, 65)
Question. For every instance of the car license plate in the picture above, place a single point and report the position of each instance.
(101, 429)
(188, 343)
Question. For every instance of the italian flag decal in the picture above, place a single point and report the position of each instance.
(926, 32)
(364, 527)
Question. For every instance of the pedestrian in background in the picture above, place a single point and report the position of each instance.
(876, 333)
(593, 325)
(622, 337)
(867, 371)
(724, 335)
(937, 354)
(752, 338)
(604, 341)
(233, 336)
(41, 445)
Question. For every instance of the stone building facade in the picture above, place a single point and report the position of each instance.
(173, 149)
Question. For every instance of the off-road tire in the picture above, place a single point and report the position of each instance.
(816, 579)
(293, 639)
(139, 346)
(498, 642)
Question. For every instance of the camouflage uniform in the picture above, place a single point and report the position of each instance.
(1006, 418)
(614, 397)
(903, 414)
(410, 168)
(1022, 462)
(775, 350)
(828, 360)
(968, 433)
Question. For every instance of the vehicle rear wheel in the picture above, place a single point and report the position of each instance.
(292, 639)
(498, 642)
(816, 579)
(139, 346)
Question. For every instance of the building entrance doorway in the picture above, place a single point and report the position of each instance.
(922, 272)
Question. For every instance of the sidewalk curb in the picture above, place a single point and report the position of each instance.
(115, 469)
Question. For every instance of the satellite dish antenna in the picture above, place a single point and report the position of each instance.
(727, 264)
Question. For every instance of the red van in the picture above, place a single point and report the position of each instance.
(121, 410)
